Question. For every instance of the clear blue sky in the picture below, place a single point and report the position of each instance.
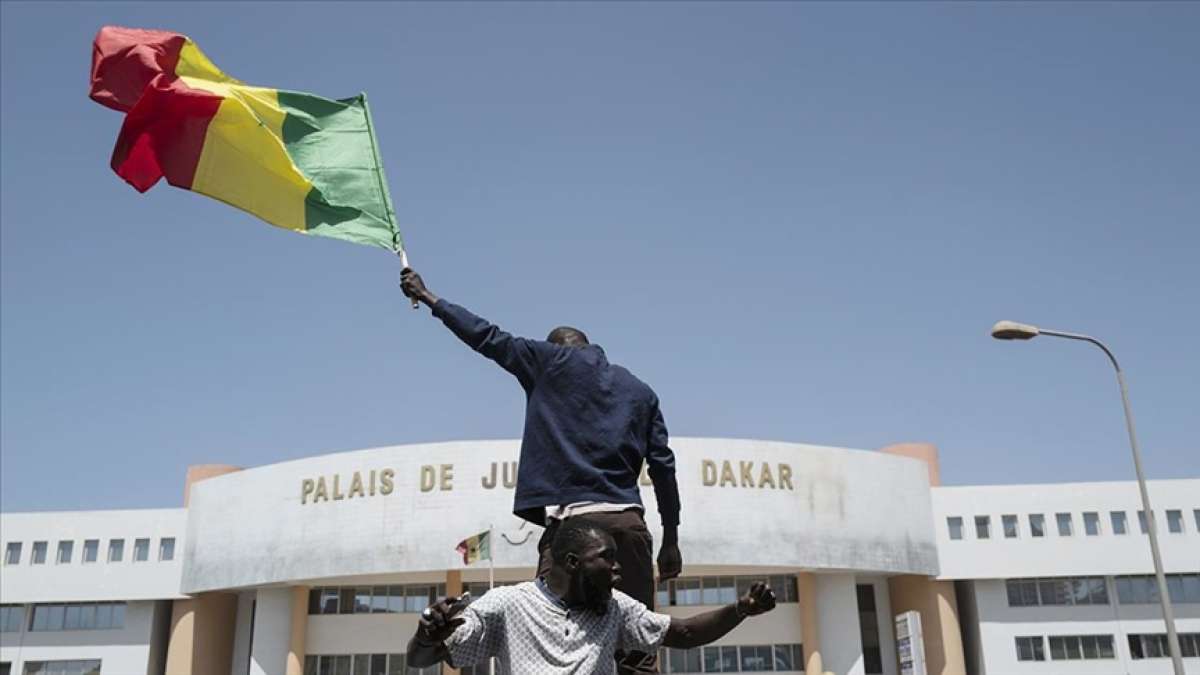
(796, 221)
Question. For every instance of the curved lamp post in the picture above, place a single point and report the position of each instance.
(1011, 330)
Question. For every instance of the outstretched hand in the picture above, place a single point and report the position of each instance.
(439, 620)
(413, 286)
(758, 600)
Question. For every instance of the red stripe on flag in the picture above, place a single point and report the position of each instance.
(126, 60)
(164, 133)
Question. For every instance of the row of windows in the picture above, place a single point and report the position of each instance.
(732, 659)
(1131, 590)
(364, 664)
(1060, 591)
(1143, 590)
(411, 598)
(1154, 646)
(78, 616)
(91, 551)
(1065, 524)
(686, 591)
(77, 667)
(1066, 647)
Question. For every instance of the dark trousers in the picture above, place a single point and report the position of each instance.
(635, 553)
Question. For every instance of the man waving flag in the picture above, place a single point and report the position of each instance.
(298, 161)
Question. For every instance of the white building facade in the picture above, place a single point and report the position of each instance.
(322, 565)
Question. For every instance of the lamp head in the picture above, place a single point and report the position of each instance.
(1011, 330)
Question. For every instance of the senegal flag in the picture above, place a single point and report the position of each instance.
(298, 161)
(478, 547)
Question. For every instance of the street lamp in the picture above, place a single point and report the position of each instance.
(1011, 330)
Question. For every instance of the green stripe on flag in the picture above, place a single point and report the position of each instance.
(331, 142)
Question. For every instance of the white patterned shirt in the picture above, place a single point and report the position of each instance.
(529, 630)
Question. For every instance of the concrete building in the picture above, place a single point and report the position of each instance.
(322, 565)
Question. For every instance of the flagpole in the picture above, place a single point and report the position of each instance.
(491, 584)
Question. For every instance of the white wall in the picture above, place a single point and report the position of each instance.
(843, 509)
(124, 651)
(1000, 624)
(90, 582)
(1053, 555)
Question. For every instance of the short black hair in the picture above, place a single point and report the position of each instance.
(573, 535)
(567, 337)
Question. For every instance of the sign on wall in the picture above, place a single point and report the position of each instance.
(910, 643)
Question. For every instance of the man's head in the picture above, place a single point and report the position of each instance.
(588, 555)
(567, 337)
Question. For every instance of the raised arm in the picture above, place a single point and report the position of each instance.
(660, 464)
(519, 356)
(438, 622)
(702, 629)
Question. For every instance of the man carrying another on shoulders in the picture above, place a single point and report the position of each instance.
(589, 425)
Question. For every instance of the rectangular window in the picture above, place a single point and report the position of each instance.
(1120, 523)
(345, 601)
(116, 550)
(1196, 516)
(752, 659)
(1080, 647)
(395, 601)
(1022, 592)
(1143, 522)
(1154, 645)
(955, 525)
(1031, 648)
(12, 553)
(39, 553)
(1037, 525)
(141, 550)
(91, 550)
(1010, 526)
(362, 600)
(662, 596)
(983, 527)
(1060, 591)
(12, 617)
(329, 601)
(1091, 523)
(1064, 524)
(1143, 590)
(65, 549)
(687, 592)
(80, 667)
(166, 548)
(379, 600)
(1175, 521)
(783, 658)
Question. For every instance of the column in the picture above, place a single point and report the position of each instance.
(837, 609)
(201, 640)
(810, 633)
(296, 645)
(272, 631)
(936, 602)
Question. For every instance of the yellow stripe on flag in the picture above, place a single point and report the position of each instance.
(244, 161)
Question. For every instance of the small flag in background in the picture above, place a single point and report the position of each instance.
(478, 547)
(298, 161)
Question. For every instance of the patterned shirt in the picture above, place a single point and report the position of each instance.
(529, 630)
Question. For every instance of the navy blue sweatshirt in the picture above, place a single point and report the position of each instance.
(589, 424)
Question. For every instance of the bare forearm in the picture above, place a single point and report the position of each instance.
(703, 628)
